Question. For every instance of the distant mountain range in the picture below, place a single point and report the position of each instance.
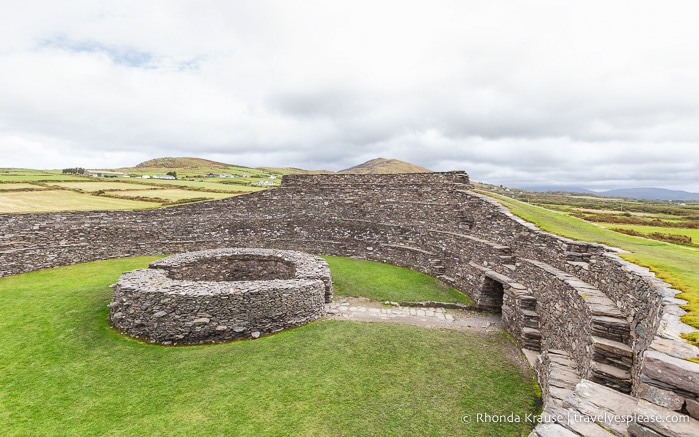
(632, 193)
(651, 193)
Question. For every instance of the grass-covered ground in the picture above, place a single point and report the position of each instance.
(171, 194)
(384, 282)
(63, 200)
(64, 371)
(676, 264)
(97, 185)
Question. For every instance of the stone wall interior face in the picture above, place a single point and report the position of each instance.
(220, 294)
(589, 314)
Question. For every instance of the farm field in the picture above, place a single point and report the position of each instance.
(18, 186)
(63, 200)
(21, 174)
(66, 372)
(212, 184)
(97, 186)
(172, 195)
(691, 233)
(81, 193)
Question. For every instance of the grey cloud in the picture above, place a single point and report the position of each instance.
(511, 92)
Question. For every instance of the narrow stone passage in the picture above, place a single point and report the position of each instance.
(358, 308)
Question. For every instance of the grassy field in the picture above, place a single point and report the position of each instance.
(212, 184)
(692, 233)
(63, 200)
(676, 264)
(384, 282)
(18, 186)
(19, 175)
(79, 193)
(173, 195)
(104, 185)
(64, 371)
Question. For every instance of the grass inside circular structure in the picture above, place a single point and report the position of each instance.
(382, 282)
(64, 371)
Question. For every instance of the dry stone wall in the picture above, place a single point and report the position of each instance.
(220, 294)
(617, 323)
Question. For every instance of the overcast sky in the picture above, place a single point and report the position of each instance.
(599, 94)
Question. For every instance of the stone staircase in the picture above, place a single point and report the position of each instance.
(575, 407)
(612, 357)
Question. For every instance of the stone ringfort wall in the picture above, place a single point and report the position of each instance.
(615, 322)
(221, 294)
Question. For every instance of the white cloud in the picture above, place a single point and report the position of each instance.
(517, 92)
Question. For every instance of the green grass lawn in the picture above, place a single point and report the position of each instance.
(64, 371)
(63, 200)
(676, 264)
(382, 282)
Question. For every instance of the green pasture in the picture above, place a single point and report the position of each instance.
(63, 200)
(692, 233)
(172, 195)
(101, 185)
(385, 282)
(207, 184)
(64, 371)
(38, 177)
(676, 264)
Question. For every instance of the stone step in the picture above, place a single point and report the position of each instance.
(552, 430)
(531, 338)
(526, 302)
(674, 424)
(572, 421)
(611, 352)
(530, 318)
(610, 376)
(612, 328)
(562, 378)
(603, 404)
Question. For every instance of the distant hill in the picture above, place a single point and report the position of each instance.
(651, 193)
(293, 170)
(385, 166)
(182, 162)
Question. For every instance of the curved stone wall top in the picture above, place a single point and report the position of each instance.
(296, 265)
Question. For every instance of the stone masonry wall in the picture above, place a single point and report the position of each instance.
(200, 297)
(430, 222)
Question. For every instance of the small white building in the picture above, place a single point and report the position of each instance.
(264, 183)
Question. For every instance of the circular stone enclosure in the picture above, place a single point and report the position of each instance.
(221, 294)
